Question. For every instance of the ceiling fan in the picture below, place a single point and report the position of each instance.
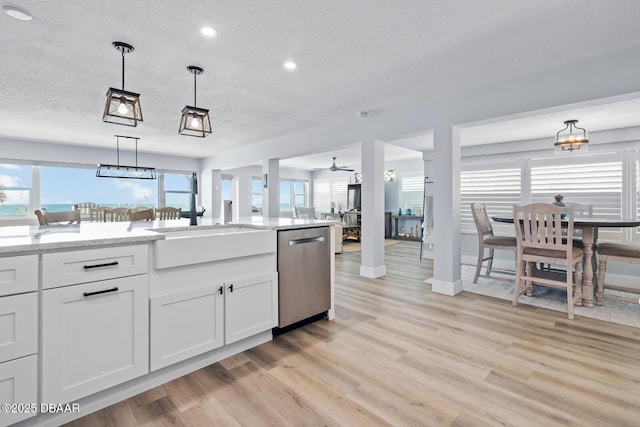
(335, 168)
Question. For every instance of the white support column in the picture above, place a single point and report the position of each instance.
(216, 196)
(271, 194)
(447, 278)
(372, 232)
(242, 186)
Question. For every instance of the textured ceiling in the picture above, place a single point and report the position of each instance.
(352, 55)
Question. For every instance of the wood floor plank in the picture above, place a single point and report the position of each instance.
(398, 354)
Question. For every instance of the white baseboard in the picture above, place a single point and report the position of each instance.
(373, 272)
(446, 288)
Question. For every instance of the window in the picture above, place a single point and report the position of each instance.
(411, 191)
(25, 188)
(177, 190)
(256, 196)
(292, 193)
(496, 185)
(15, 189)
(330, 193)
(592, 179)
(62, 187)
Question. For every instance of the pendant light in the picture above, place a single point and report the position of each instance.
(122, 107)
(195, 121)
(571, 138)
(122, 171)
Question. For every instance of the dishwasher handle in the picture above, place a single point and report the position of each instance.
(294, 242)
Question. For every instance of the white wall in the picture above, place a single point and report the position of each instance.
(36, 153)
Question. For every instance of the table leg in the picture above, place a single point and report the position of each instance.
(589, 240)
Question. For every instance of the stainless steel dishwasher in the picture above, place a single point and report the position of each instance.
(304, 273)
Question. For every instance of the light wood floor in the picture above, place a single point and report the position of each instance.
(398, 354)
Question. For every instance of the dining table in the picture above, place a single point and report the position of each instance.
(589, 226)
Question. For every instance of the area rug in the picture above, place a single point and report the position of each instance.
(353, 246)
(618, 307)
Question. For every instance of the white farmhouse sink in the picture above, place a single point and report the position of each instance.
(194, 246)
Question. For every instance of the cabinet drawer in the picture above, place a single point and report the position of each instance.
(18, 274)
(94, 336)
(18, 326)
(68, 268)
(18, 384)
(186, 324)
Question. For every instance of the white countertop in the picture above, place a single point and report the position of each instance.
(18, 239)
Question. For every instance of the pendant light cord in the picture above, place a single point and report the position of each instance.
(123, 69)
(194, 90)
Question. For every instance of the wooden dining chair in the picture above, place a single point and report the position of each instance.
(487, 240)
(613, 252)
(116, 214)
(141, 215)
(69, 217)
(97, 214)
(539, 234)
(85, 209)
(168, 213)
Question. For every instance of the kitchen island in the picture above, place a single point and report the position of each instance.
(103, 311)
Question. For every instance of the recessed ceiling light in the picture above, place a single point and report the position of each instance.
(16, 13)
(208, 31)
(290, 65)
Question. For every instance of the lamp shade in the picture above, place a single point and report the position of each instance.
(195, 122)
(122, 171)
(122, 108)
(571, 138)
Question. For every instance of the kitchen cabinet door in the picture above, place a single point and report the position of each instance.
(19, 385)
(185, 324)
(94, 336)
(251, 306)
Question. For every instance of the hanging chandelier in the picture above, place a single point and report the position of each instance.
(122, 171)
(122, 107)
(571, 138)
(195, 121)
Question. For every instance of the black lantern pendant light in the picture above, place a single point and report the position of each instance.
(195, 121)
(122, 107)
(571, 137)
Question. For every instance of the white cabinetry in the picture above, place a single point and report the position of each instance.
(18, 336)
(94, 334)
(251, 306)
(186, 324)
(217, 295)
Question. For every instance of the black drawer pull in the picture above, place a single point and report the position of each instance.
(220, 290)
(231, 287)
(88, 294)
(108, 264)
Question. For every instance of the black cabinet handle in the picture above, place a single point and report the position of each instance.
(220, 289)
(88, 294)
(231, 287)
(108, 264)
